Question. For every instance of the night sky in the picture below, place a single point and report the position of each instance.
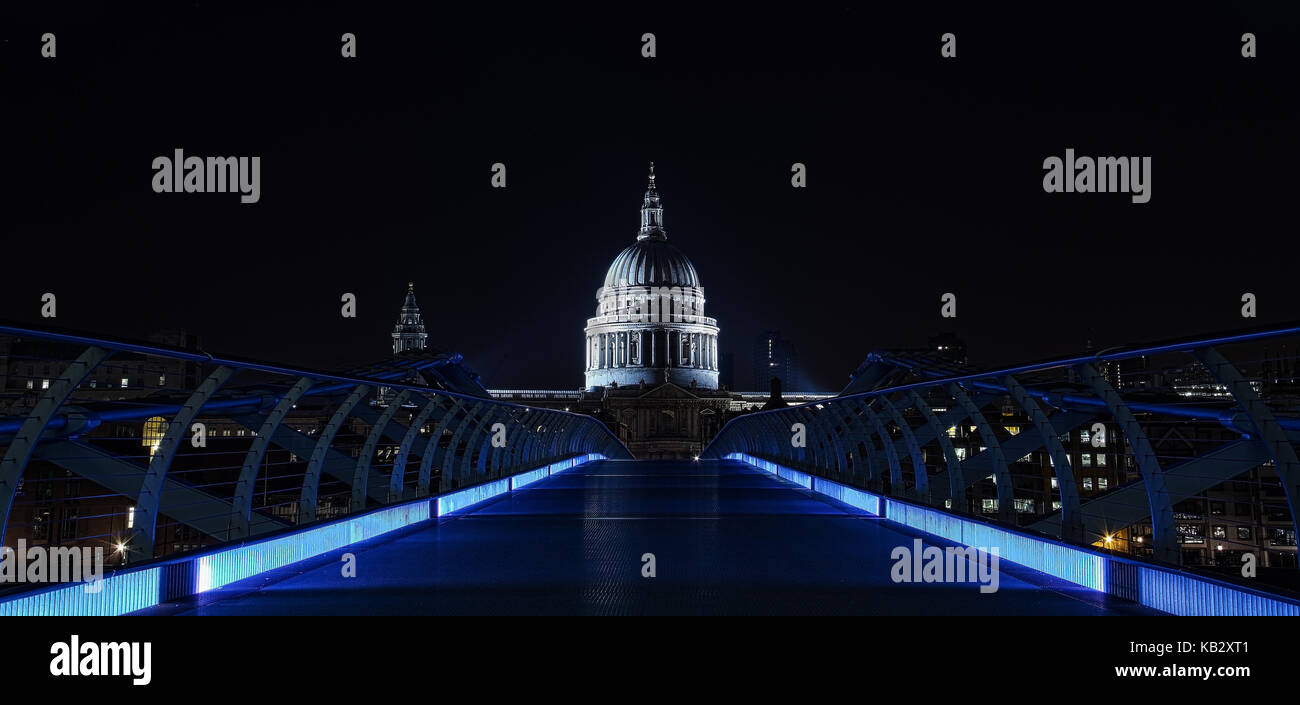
(924, 176)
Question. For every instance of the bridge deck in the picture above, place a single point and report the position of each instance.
(727, 539)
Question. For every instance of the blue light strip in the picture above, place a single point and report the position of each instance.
(1160, 588)
(456, 501)
(232, 565)
(1067, 563)
(1182, 594)
(851, 496)
(470, 496)
(528, 478)
(133, 589)
(117, 594)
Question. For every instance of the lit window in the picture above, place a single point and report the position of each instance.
(1053, 483)
(952, 432)
(45, 384)
(990, 506)
(124, 382)
(1087, 460)
(1087, 483)
(162, 380)
(1102, 483)
(30, 384)
(1101, 460)
(130, 517)
(155, 427)
(1013, 430)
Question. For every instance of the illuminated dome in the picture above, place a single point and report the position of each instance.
(650, 326)
(651, 262)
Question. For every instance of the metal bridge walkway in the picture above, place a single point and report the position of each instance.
(727, 539)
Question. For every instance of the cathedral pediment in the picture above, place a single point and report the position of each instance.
(668, 391)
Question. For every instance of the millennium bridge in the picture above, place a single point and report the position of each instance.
(1136, 480)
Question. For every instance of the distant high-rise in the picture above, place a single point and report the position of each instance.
(775, 356)
(409, 333)
(949, 346)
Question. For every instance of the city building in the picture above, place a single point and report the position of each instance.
(653, 370)
(775, 356)
(650, 325)
(409, 333)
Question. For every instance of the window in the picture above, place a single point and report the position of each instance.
(45, 384)
(30, 384)
(124, 383)
(1084, 436)
(1087, 483)
(1216, 508)
(990, 506)
(1053, 483)
(1190, 533)
(1056, 505)
(960, 453)
(952, 432)
(1086, 459)
(1013, 430)
(1102, 483)
(1101, 460)
(1243, 533)
(1025, 506)
(162, 380)
(1219, 531)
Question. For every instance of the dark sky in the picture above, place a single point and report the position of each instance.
(924, 176)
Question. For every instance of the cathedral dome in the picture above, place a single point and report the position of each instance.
(652, 262)
(650, 326)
